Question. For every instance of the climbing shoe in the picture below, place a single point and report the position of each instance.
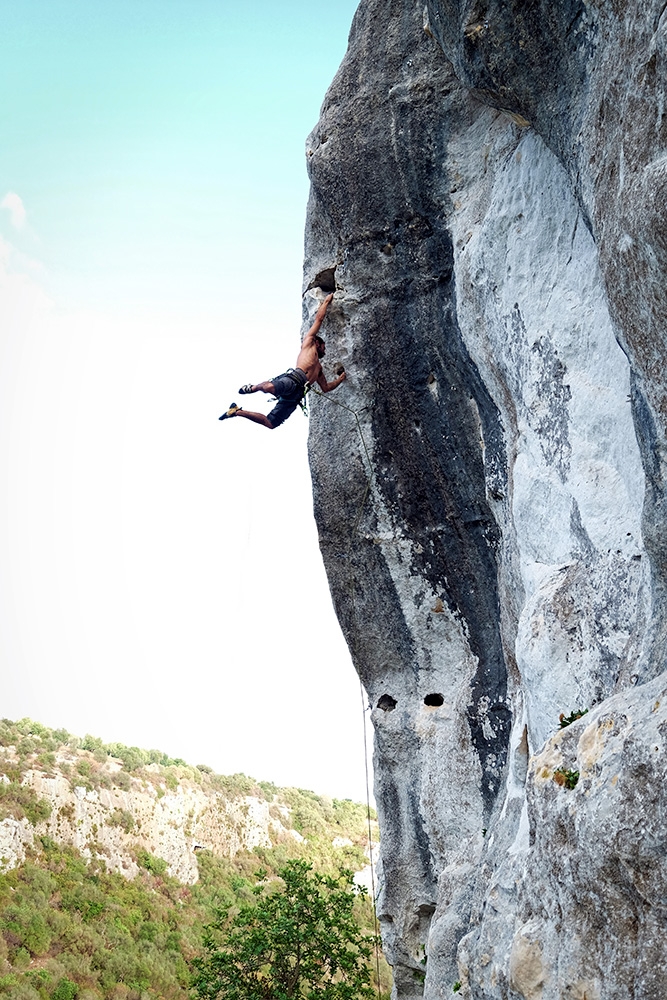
(231, 412)
(245, 390)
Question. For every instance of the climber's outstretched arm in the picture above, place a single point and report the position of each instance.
(317, 323)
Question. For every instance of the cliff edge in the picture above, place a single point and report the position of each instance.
(487, 200)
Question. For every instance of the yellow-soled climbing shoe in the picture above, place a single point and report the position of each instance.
(231, 412)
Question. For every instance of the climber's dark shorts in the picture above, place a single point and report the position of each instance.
(290, 389)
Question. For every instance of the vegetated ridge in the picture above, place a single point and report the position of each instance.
(114, 858)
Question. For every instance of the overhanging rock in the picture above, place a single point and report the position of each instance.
(489, 498)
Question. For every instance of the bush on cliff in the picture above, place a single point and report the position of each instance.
(20, 800)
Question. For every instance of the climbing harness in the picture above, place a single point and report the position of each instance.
(364, 707)
(299, 385)
(291, 374)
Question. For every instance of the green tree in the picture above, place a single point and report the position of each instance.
(298, 938)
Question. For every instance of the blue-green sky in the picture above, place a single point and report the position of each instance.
(158, 144)
(159, 573)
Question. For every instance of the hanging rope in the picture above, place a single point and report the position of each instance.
(353, 532)
(376, 924)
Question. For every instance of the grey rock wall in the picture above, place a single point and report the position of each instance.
(488, 481)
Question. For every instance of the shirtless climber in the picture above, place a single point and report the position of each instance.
(290, 388)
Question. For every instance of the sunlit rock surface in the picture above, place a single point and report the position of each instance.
(488, 200)
(113, 824)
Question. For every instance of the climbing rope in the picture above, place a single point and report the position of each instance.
(369, 479)
(353, 532)
(376, 924)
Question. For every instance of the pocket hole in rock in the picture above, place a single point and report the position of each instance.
(325, 279)
(387, 703)
(434, 700)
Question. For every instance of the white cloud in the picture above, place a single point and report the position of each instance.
(17, 267)
(14, 205)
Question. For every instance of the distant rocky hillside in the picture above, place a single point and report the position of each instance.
(113, 802)
(115, 859)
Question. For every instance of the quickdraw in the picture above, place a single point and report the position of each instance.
(303, 402)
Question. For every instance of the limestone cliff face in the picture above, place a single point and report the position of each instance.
(487, 199)
(112, 822)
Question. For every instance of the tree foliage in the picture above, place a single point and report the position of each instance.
(297, 938)
(67, 923)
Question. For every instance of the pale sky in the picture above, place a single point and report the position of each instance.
(159, 570)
